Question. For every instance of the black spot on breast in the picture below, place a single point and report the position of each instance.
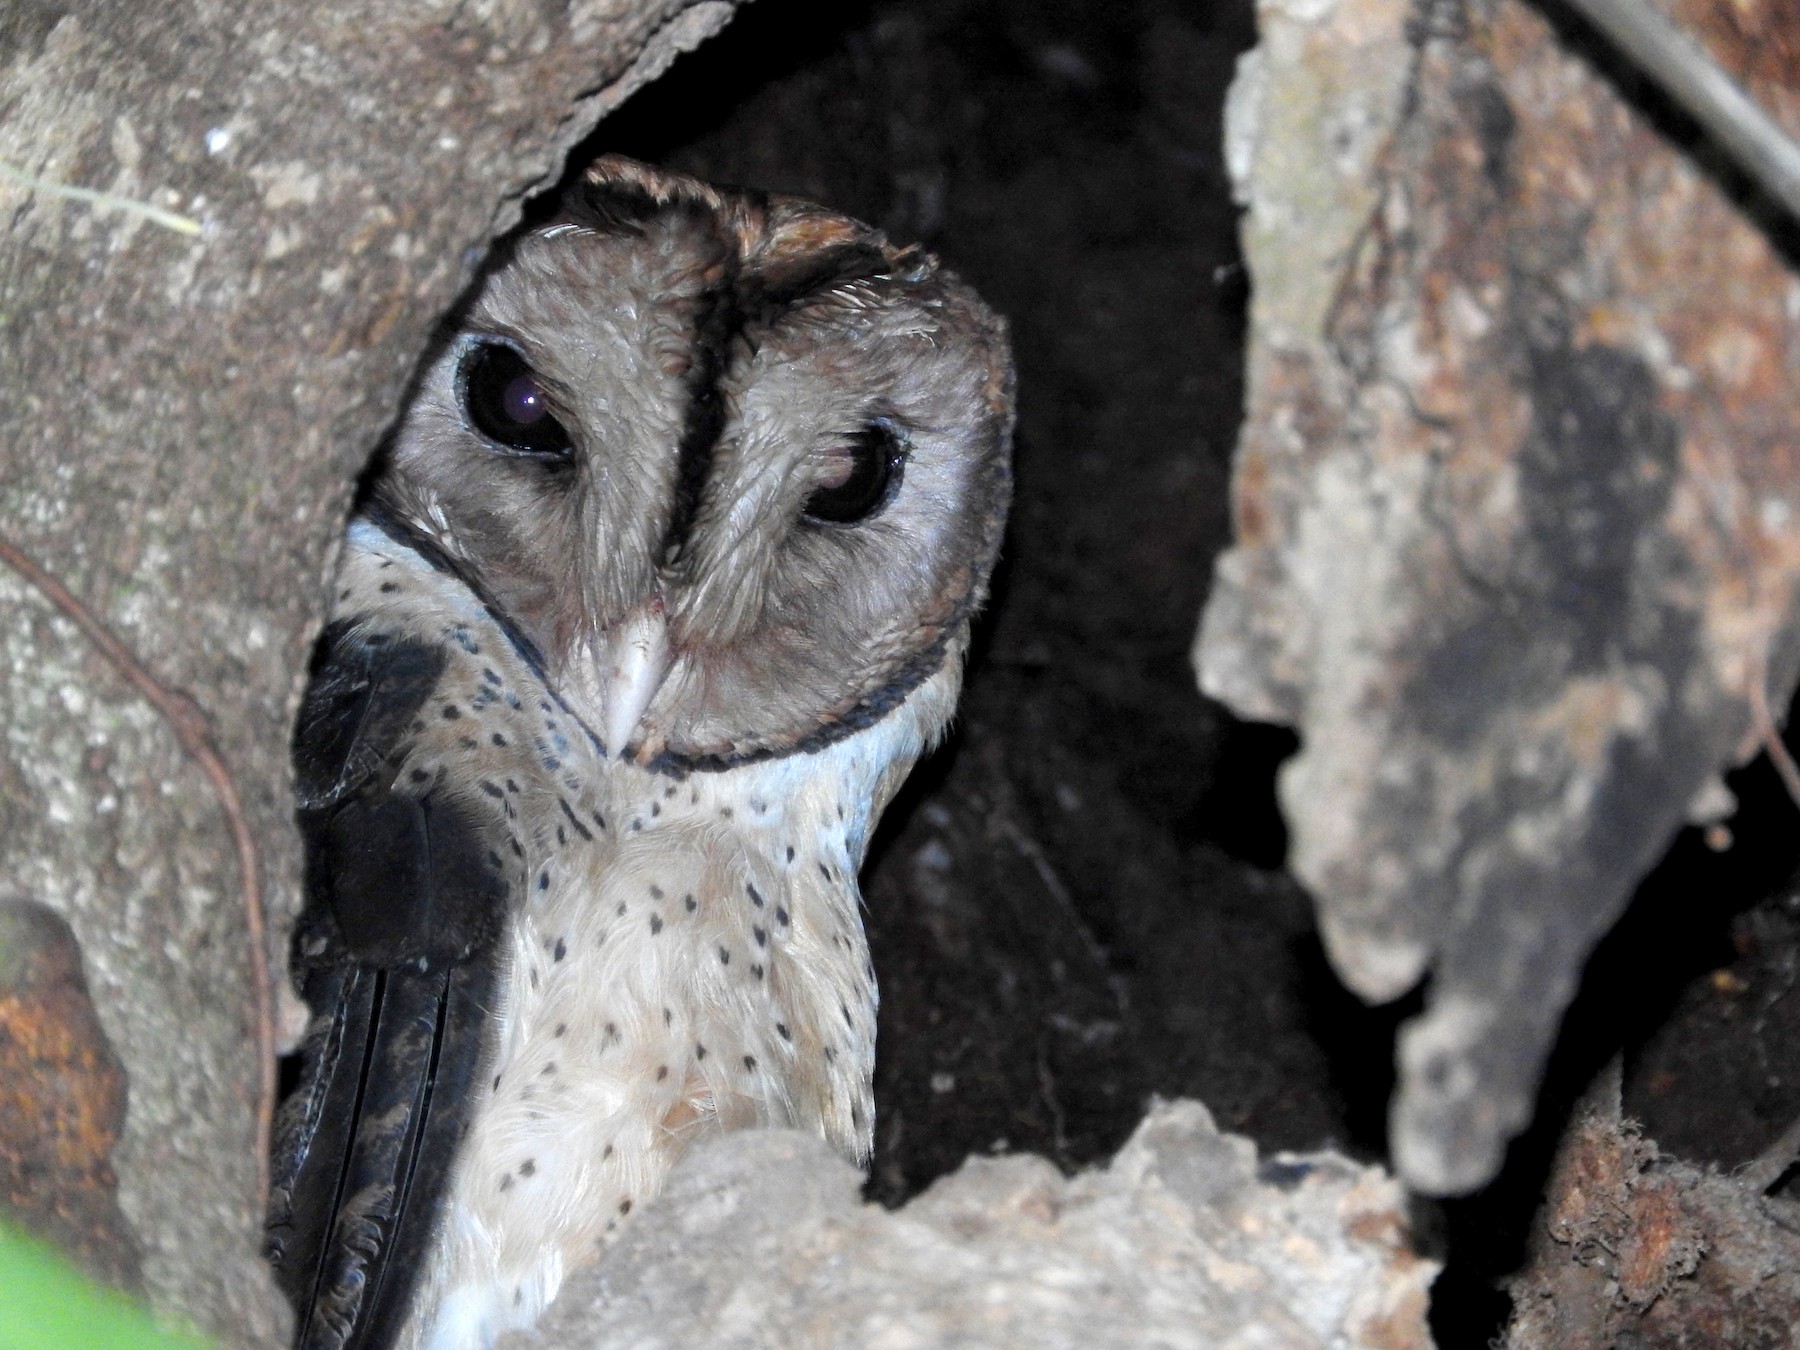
(699, 1050)
(389, 587)
(547, 1070)
(562, 1029)
(760, 934)
(511, 786)
(624, 1207)
(825, 871)
(790, 853)
(830, 1054)
(419, 775)
(750, 1063)
(544, 880)
(518, 1295)
(466, 742)
(668, 1016)
(491, 790)
(569, 812)
(725, 812)
(724, 956)
(496, 1082)
(757, 970)
(599, 820)
(781, 1030)
(781, 916)
(612, 1031)
(690, 903)
(755, 895)
(451, 712)
(662, 1072)
(656, 924)
(656, 892)
(498, 739)
(606, 1152)
(506, 1182)
(562, 949)
(621, 909)
(655, 809)
(491, 675)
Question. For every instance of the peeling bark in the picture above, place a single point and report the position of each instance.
(1518, 534)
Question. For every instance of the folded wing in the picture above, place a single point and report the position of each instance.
(396, 952)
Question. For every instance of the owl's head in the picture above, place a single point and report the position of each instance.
(735, 465)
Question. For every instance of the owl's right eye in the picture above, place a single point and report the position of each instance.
(504, 401)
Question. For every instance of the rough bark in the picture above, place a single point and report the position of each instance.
(1183, 1241)
(1517, 526)
(1636, 1248)
(183, 421)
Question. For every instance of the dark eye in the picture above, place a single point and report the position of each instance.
(505, 402)
(861, 476)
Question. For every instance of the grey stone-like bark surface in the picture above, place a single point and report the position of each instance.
(183, 421)
(1517, 527)
(761, 1240)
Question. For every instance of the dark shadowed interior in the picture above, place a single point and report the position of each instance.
(1078, 903)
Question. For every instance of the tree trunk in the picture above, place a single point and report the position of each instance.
(187, 398)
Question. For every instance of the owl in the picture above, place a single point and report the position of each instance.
(658, 591)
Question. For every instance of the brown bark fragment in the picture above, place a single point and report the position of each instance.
(62, 1099)
(1635, 1248)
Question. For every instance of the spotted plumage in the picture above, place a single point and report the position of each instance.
(659, 592)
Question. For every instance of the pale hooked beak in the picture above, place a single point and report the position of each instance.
(634, 664)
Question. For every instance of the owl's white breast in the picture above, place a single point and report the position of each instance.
(681, 956)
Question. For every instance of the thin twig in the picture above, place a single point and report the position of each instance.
(1774, 1162)
(1770, 735)
(169, 220)
(1761, 146)
(192, 729)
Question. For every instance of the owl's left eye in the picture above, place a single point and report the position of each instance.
(504, 401)
(860, 477)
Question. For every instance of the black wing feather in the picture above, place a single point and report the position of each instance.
(398, 952)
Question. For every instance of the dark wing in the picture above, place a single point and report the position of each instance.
(397, 951)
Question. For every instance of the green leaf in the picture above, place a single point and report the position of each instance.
(47, 1304)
